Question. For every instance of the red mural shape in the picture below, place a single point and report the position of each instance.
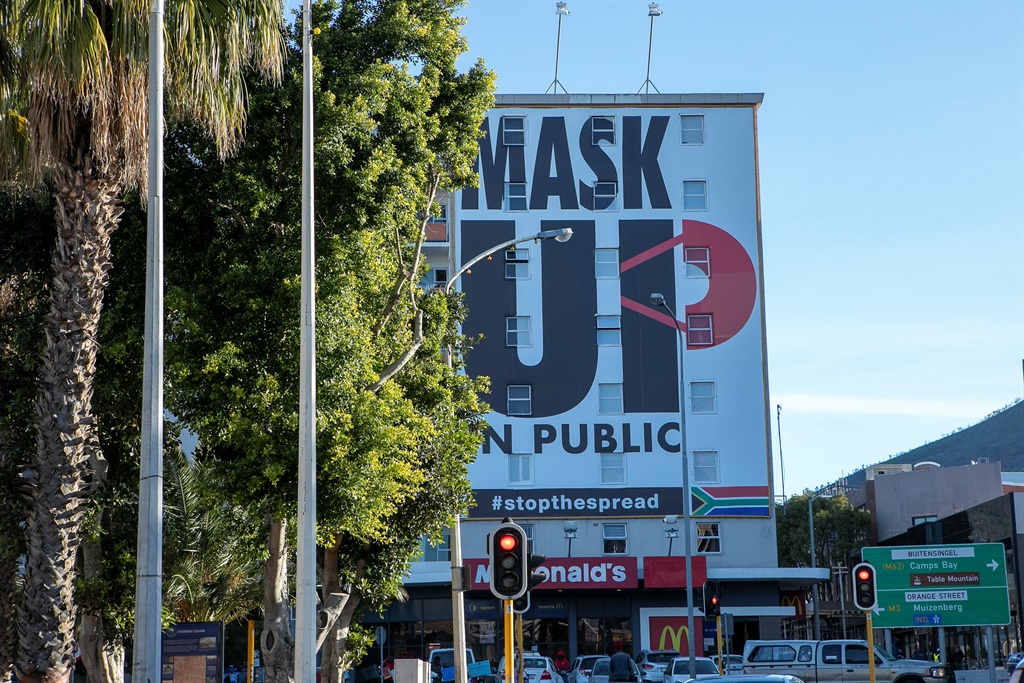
(732, 283)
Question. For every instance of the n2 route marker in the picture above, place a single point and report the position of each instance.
(940, 585)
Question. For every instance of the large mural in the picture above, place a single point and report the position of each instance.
(583, 365)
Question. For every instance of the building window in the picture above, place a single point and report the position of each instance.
(615, 539)
(517, 331)
(709, 539)
(517, 264)
(440, 277)
(609, 331)
(606, 263)
(515, 197)
(513, 131)
(698, 330)
(609, 399)
(528, 532)
(603, 128)
(520, 468)
(698, 262)
(702, 398)
(691, 129)
(705, 467)
(923, 519)
(613, 468)
(520, 399)
(436, 553)
(605, 194)
(695, 195)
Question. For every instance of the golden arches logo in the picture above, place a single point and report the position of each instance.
(675, 635)
(794, 601)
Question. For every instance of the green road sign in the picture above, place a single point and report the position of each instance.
(940, 585)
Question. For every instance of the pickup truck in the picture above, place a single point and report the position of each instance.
(837, 661)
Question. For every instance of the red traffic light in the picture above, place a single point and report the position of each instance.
(863, 574)
(508, 542)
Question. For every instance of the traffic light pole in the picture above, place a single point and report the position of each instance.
(509, 655)
(718, 638)
(871, 646)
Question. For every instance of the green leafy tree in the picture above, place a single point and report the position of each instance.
(396, 426)
(73, 92)
(840, 532)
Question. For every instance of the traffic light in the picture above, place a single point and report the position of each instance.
(865, 595)
(712, 601)
(533, 560)
(509, 572)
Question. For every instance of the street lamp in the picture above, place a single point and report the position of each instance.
(570, 533)
(814, 562)
(458, 584)
(658, 299)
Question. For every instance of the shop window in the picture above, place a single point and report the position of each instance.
(702, 398)
(709, 540)
(615, 539)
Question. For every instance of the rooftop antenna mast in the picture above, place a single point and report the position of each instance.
(652, 11)
(561, 11)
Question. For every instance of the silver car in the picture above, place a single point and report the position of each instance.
(653, 663)
(601, 672)
(678, 670)
(536, 669)
(581, 668)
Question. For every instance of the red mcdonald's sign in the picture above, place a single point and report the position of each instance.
(795, 599)
(669, 633)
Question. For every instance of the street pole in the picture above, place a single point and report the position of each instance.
(814, 564)
(840, 570)
(458, 603)
(659, 300)
(305, 571)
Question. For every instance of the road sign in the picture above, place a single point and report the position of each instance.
(940, 585)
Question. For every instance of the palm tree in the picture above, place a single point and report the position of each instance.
(73, 85)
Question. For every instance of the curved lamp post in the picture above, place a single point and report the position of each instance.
(458, 605)
(658, 299)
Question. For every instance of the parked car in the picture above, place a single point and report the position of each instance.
(581, 667)
(678, 670)
(761, 678)
(653, 663)
(602, 671)
(537, 668)
(733, 663)
(444, 658)
(1013, 661)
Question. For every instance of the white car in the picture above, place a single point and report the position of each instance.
(733, 663)
(537, 668)
(678, 670)
(653, 663)
(581, 668)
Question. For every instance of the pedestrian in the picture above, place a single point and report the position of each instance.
(562, 663)
(620, 666)
(958, 657)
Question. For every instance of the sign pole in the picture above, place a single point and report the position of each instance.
(520, 669)
(871, 647)
(509, 657)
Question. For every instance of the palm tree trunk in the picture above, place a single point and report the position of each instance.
(88, 211)
(276, 643)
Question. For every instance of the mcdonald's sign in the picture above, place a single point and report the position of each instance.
(796, 600)
(669, 633)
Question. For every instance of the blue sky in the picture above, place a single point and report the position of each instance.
(891, 148)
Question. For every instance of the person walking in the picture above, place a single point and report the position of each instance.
(620, 669)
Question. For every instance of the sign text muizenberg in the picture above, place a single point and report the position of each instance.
(943, 585)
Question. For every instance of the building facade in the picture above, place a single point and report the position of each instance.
(585, 438)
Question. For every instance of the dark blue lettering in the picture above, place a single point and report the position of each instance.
(553, 144)
(640, 163)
